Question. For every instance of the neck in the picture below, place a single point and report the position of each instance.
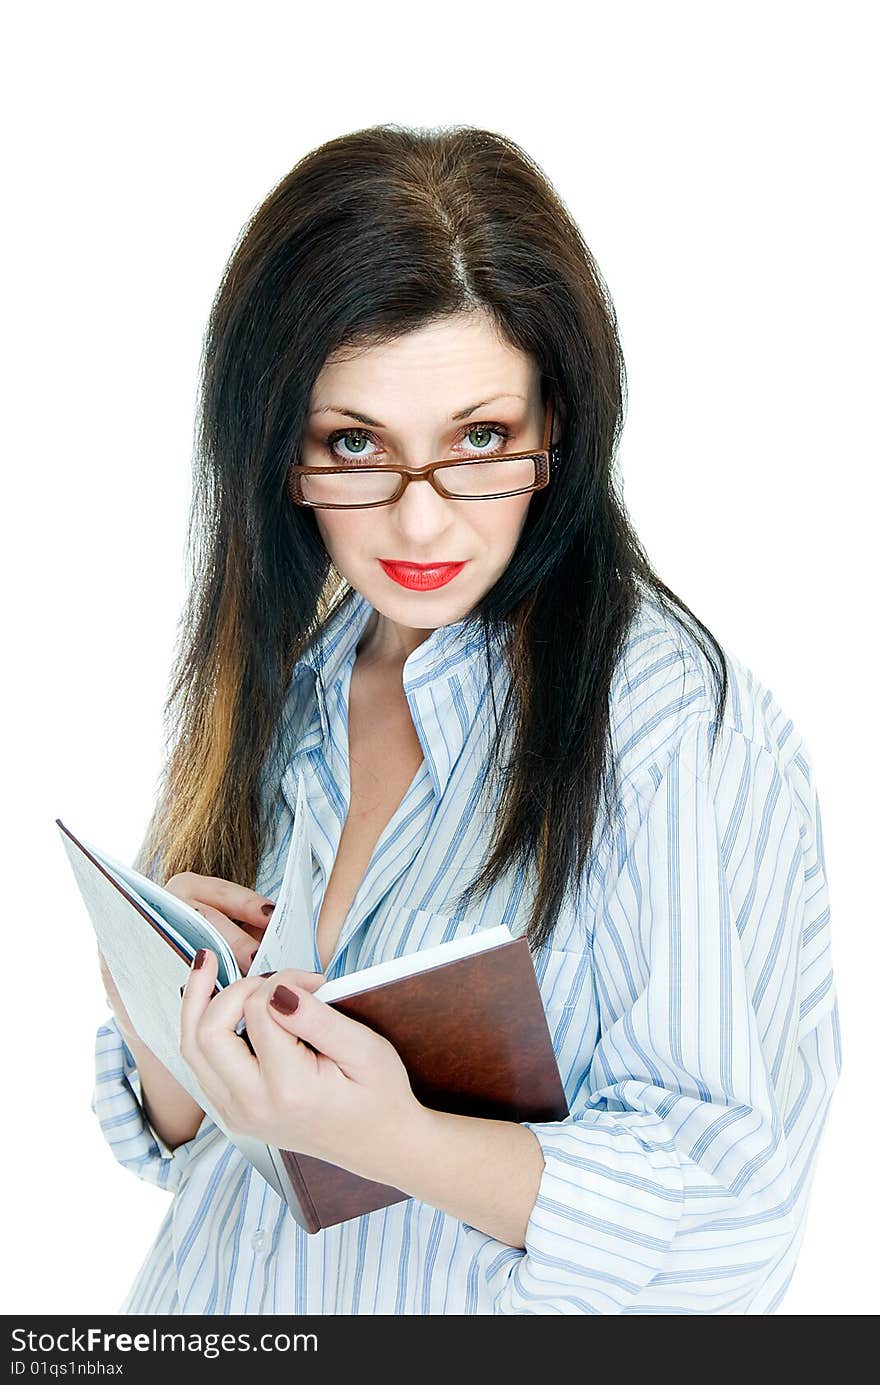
(385, 644)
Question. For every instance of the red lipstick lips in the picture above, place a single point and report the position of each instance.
(421, 576)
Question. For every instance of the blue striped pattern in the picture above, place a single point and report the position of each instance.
(689, 993)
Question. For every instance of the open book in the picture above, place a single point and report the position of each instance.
(465, 1016)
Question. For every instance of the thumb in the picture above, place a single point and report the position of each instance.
(292, 976)
(308, 1017)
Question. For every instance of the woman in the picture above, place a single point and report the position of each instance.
(540, 733)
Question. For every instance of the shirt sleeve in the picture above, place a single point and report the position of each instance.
(116, 1101)
(677, 1184)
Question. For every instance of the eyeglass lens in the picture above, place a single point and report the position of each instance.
(470, 481)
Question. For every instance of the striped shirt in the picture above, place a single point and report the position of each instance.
(688, 989)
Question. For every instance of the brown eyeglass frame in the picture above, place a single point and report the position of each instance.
(546, 462)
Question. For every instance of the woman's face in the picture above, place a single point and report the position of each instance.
(412, 389)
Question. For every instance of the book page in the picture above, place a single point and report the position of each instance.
(288, 940)
(188, 928)
(412, 962)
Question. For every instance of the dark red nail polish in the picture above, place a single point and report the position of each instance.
(267, 973)
(284, 1000)
(267, 909)
(199, 958)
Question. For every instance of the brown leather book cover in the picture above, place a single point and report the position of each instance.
(473, 1037)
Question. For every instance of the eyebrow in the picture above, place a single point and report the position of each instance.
(372, 422)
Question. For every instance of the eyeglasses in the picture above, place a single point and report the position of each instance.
(491, 478)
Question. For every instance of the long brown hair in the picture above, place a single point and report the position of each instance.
(369, 236)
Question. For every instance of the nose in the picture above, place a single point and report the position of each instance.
(421, 512)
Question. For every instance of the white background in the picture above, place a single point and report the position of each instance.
(718, 159)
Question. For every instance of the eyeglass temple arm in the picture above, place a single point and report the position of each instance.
(549, 447)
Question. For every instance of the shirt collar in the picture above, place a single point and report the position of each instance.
(444, 679)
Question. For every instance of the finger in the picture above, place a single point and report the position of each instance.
(309, 980)
(288, 1064)
(263, 1034)
(110, 989)
(294, 1008)
(244, 946)
(195, 996)
(243, 906)
(220, 1062)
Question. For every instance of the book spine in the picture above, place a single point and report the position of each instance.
(297, 1195)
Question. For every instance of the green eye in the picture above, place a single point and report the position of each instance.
(486, 434)
(357, 436)
(360, 442)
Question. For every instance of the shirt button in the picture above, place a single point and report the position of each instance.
(259, 1240)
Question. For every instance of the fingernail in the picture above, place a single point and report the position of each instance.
(267, 909)
(284, 1000)
(266, 973)
(199, 958)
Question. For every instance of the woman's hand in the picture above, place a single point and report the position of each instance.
(317, 1082)
(114, 1000)
(240, 915)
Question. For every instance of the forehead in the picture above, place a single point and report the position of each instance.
(443, 361)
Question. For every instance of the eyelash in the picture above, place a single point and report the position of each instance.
(332, 438)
